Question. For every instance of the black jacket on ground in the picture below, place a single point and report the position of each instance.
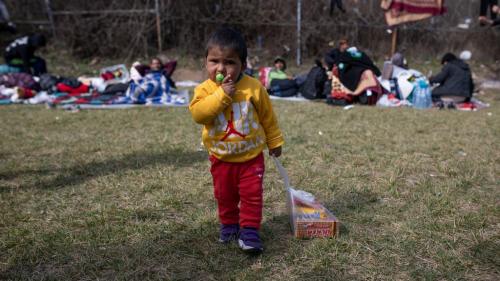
(455, 79)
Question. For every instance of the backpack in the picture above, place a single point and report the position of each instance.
(314, 84)
(327, 88)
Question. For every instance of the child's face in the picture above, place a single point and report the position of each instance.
(225, 61)
(279, 65)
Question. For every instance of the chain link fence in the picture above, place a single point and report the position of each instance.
(128, 28)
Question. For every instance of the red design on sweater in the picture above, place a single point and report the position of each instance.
(231, 130)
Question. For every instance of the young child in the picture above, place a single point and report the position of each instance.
(278, 72)
(239, 122)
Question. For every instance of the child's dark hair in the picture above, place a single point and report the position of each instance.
(228, 38)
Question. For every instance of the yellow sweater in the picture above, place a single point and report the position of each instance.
(237, 128)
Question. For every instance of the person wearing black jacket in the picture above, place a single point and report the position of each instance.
(331, 57)
(455, 80)
(351, 65)
(21, 53)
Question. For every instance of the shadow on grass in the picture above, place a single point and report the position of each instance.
(179, 251)
(150, 250)
(80, 173)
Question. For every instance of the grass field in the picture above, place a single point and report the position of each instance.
(126, 195)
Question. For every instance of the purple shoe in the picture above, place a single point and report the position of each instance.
(228, 232)
(249, 240)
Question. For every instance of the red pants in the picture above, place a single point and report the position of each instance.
(239, 184)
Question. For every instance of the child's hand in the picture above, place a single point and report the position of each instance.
(228, 85)
(276, 152)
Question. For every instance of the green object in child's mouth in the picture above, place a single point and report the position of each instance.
(219, 77)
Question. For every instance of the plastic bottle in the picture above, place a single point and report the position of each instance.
(422, 95)
(428, 96)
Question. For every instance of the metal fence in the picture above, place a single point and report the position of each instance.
(271, 27)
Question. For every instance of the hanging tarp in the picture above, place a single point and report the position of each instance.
(402, 11)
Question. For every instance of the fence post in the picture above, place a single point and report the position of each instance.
(394, 44)
(51, 17)
(158, 25)
(299, 11)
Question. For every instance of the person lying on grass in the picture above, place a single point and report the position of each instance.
(239, 122)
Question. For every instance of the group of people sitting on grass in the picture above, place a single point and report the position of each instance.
(344, 76)
(347, 75)
(24, 74)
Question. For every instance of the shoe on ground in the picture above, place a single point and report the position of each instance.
(249, 241)
(228, 233)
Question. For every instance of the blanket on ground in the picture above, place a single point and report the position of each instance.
(401, 11)
(95, 99)
(152, 86)
(293, 98)
(175, 98)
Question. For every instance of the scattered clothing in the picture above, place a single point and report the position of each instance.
(115, 74)
(95, 100)
(116, 89)
(23, 80)
(72, 89)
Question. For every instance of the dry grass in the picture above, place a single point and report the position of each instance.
(126, 195)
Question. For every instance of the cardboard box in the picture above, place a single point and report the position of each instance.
(310, 219)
